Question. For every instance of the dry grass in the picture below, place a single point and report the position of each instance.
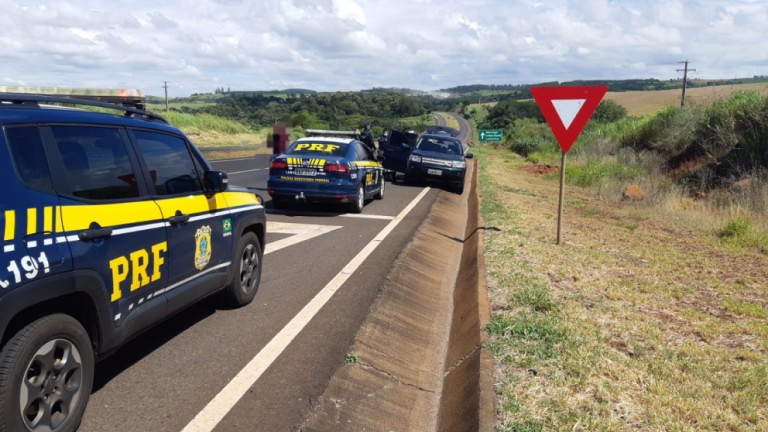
(251, 143)
(636, 322)
(639, 103)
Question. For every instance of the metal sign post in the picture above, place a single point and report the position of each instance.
(567, 110)
(560, 201)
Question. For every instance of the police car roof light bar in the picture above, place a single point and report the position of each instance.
(329, 133)
(131, 101)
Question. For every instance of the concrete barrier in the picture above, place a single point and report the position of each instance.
(421, 366)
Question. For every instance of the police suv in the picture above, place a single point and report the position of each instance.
(110, 222)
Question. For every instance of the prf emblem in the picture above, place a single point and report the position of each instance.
(202, 247)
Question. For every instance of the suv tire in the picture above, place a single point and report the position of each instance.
(245, 281)
(46, 375)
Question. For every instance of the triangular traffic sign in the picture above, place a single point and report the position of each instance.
(568, 109)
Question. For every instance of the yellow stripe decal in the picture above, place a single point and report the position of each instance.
(10, 224)
(191, 205)
(48, 219)
(367, 164)
(59, 219)
(79, 217)
(31, 221)
(237, 199)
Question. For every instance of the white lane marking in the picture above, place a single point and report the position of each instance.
(301, 232)
(207, 419)
(362, 216)
(250, 170)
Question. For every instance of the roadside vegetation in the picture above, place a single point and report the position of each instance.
(652, 314)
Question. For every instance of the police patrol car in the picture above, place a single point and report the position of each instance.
(326, 169)
(109, 223)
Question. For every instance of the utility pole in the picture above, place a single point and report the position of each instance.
(685, 80)
(165, 86)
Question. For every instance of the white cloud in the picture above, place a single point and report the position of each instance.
(358, 44)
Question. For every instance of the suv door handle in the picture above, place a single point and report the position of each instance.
(94, 233)
(178, 219)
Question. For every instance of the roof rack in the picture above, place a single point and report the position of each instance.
(131, 101)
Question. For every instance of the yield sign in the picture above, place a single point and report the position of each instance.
(568, 109)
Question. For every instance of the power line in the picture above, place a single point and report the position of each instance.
(685, 80)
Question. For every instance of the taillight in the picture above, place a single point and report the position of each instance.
(278, 164)
(336, 168)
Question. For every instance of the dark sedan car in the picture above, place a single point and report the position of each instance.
(438, 158)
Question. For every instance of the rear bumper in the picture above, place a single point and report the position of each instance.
(310, 192)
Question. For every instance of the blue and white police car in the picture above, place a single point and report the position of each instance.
(326, 169)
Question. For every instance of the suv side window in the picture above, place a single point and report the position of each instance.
(170, 164)
(96, 162)
(28, 156)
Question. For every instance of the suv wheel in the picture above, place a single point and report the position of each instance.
(46, 374)
(357, 205)
(245, 282)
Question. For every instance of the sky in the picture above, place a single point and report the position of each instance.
(197, 46)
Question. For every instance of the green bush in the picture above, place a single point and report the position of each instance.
(526, 146)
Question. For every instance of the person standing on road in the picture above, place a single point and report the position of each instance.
(367, 138)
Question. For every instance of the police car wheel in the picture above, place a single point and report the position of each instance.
(357, 205)
(247, 263)
(46, 374)
(380, 194)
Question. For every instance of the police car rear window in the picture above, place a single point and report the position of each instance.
(29, 157)
(318, 149)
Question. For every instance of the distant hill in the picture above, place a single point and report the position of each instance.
(523, 90)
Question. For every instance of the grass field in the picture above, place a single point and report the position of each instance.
(639, 103)
(637, 322)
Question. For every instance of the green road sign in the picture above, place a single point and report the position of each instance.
(487, 135)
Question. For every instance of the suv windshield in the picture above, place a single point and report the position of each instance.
(438, 145)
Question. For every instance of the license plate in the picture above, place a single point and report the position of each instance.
(434, 172)
(305, 172)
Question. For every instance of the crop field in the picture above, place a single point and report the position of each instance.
(639, 103)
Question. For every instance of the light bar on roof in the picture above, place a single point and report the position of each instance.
(72, 92)
(330, 133)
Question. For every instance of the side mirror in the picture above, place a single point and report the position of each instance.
(216, 181)
(468, 155)
(405, 146)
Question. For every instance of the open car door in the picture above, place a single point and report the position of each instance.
(397, 149)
